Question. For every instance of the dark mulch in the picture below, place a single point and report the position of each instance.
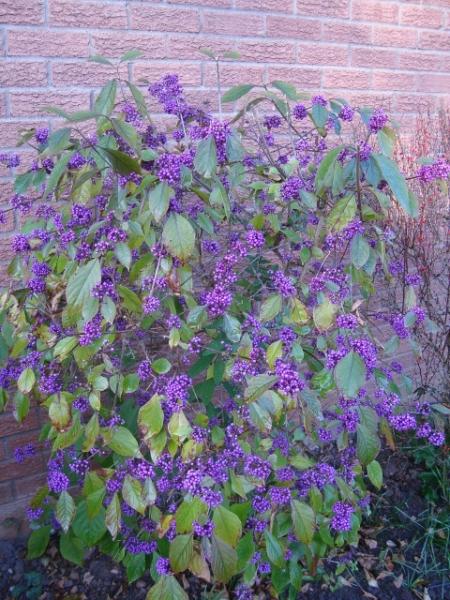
(373, 570)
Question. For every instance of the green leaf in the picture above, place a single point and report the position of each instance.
(82, 282)
(386, 140)
(319, 115)
(299, 314)
(161, 366)
(64, 347)
(139, 99)
(308, 199)
(187, 512)
(323, 314)
(151, 417)
(158, 200)
(167, 588)
(367, 444)
(178, 425)
(21, 406)
(342, 213)
(219, 197)
(350, 374)
(257, 385)
(121, 163)
(100, 59)
(274, 352)
(228, 526)
(132, 494)
(274, 549)
(58, 141)
(223, 560)
(113, 516)
(359, 251)
(205, 160)
(286, 88)
(303, 519)
(326, 168)
(124, 443)
(38, 542)
(270, 307)
(180, 553)
(65, 510)
(232, 328)
(130, 300)
(59, 411)
(245, 550)
(178, 236)
(127, 132)
(397, 183)
(104, 103)
(135, 565)
(71, 548)
(108, 309)
(123, 254)
(55, 175)
(89, 530)
(237, 92)
(375, 473)
(130, 55)
(26, 380)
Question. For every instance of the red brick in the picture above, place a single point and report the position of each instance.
(357, 80)
(155, 18)
(233, 24)
(413, 102)
(421, 16)
(215, 3)
(324, 8)
(2, 105)
(370, 99)
(152, 71)
(300, 77)
(6, 492)
(395, 37)
(208, 101)
(83, 74)
(28, 104)
(113, 44)
(27, 486)
(350, 33)
(435, 83)
(77, 14)
(233, 74)
(22, 439)
(7, 227)
(267, 52)
(434, 40)
(48, 43)
(22, 74)
(374, 57)
(392, 80)
(9, 426)
(21, 12)
(422, 61)
(367, 10)
(265, 5)
(14, 470)
(181, 47)
(310, 54)
(293, 27)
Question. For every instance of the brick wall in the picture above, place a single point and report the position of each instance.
(375, 51)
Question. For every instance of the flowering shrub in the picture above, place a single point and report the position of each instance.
(192, 306)
(419, 252)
